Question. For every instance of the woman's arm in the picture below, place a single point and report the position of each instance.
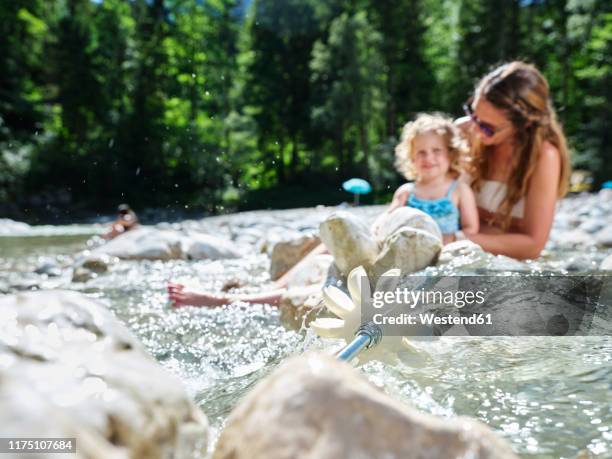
(468, 210)
(540, 204)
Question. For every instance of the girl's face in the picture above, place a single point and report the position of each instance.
(430, 156)
(486, 113)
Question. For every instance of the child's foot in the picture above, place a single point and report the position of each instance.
(181, 296)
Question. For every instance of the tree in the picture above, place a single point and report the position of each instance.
(349, 87)
(282, 34)
(409, 82)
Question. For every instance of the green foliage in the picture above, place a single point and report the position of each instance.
(223, 103)
(349, 89)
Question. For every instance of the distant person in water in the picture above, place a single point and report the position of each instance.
(126, 221)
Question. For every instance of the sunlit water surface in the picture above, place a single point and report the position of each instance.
(549, 396)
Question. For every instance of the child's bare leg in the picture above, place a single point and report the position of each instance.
(181, 296)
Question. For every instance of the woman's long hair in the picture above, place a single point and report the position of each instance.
(521, 91)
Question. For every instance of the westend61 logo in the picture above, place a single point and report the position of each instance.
(543, 305)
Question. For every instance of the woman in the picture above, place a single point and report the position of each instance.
(520, 162)
(518, 170)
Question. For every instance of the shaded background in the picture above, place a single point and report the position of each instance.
(216, 105)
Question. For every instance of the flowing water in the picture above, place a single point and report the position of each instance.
(548, 396)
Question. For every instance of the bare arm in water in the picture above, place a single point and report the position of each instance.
(183, 296)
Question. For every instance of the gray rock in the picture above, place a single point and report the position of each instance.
(592, 225)
(302, 300)
(406, 238)
(409, 239)
(91, 264)
(49, 267)
(604, 237)
(389, 223)
(10, 227)
(349, 240)
(287, 253)
(95, 262)
(573, 238)
(153, 244)
(70, 369)
(202, 246)
(316, 407)
(144, 244)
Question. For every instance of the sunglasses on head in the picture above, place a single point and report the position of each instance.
(484, 127)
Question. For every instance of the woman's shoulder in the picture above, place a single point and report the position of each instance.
(549, 151)
(550, 158)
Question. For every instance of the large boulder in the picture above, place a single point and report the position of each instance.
(409, 240)
(604, 237)
(349, 240)
(68, 368)
(316, 407)
(10, 227)
(286, 254)
(389, 223)
(303, 298)
(89, 265)
(202, 246)
(154, 244)
(406, 238)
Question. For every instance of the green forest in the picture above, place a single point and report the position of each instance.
(221, 105)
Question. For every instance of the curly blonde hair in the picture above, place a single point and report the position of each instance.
(437, 123)
(521, 91)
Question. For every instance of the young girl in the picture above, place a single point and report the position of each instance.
(431, 152)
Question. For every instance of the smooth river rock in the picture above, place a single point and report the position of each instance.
(606, 264)
(154, 244)
(409, 240)
(89, 265)
(349, 240)
(406, 238)
(10, 227)
(316, 407)
(69, 368)
(286, 254)
(604, 237)
(302, 301)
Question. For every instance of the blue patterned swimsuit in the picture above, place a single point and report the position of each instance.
(442, 210)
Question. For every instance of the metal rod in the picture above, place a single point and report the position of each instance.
(352, 349)
(368, 336)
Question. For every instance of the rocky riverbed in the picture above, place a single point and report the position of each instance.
(548, 397)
